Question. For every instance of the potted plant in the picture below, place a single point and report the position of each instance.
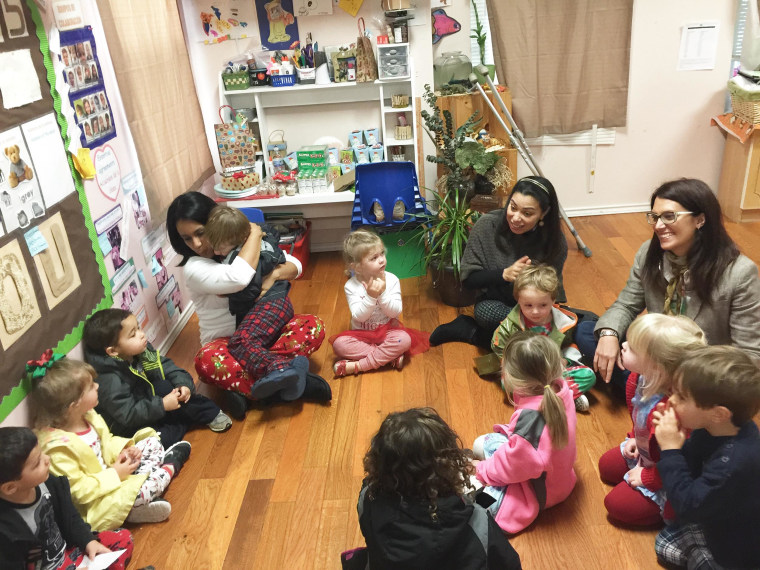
(444, 235)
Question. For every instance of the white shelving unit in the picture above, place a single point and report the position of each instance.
(330, 212)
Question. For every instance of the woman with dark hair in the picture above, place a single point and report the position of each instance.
(501, 244)
(208, 282)
(691, 267)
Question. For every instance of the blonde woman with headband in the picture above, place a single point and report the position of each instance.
(501, 244)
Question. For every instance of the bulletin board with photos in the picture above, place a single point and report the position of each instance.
(51, 269)
(87, 93)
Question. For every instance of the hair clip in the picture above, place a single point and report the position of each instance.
(38, 368)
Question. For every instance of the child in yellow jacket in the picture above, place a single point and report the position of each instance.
(112, 478)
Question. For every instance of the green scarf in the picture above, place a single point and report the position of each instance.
(675, 293)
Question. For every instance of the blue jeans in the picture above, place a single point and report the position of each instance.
(587, 341)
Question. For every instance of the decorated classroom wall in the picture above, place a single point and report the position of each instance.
(76, 234)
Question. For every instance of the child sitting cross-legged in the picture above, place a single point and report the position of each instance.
(112, 478)
(713, 478)
(138, 387)
(535, 290)
(39, 526)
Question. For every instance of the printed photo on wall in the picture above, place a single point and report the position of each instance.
(139, 208)
(114, 238)
(20, 196)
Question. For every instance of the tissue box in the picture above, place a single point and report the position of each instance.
(240, 180)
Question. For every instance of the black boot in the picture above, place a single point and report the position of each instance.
(461, 329)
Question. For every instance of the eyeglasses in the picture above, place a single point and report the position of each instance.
(666, 217)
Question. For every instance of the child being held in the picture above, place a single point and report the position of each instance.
(711, 479)
(262, 310)
(138, 387)
(39, 526)
(655, 346)
(413, 508)
(376, 337)
(528, 463)
(112, 478)
(535, 290)
(227, 230)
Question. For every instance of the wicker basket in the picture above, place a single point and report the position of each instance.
(403, 132)
(746, 110)
(399, 101)
(236, 81)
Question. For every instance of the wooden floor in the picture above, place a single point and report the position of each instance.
(279, 489)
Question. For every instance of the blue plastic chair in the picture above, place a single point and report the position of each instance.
(254, 215)
(385, 183)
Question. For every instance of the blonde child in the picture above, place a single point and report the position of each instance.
(376, 337)
(528, 463)
(654, 347)
(535, 290)
(112, 478)
(413, 510)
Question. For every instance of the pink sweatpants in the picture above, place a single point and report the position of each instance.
(371, 356)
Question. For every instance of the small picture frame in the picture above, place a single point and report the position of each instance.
(343, 61)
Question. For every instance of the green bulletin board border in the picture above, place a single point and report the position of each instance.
(14, 398)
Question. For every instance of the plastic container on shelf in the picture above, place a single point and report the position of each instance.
(451, 67)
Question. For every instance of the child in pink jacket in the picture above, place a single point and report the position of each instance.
(527, 465)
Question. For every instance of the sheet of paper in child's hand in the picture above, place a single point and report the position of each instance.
(101, 561)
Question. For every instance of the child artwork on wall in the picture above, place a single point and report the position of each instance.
(20, 197)
(222, 20)
(277, 25)
(443, 25)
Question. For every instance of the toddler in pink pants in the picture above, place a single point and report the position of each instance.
(376, 337)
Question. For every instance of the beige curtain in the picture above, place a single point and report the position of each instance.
(565, 61)
(153, 71)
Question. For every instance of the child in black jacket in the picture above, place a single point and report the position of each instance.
(138, 387)
(39, 525)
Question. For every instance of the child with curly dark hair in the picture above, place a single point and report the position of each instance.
(413, 510)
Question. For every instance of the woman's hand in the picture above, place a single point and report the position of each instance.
(606, 356)
(510, 273)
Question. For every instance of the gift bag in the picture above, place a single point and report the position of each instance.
(366, 65)
(236, 144)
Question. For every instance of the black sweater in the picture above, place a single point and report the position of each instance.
(16, 539)
(715, 482)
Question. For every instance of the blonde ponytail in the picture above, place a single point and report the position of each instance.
(553, 411)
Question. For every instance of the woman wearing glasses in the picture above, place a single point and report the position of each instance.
(691, 267)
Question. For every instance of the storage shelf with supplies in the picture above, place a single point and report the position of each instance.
(267, 100)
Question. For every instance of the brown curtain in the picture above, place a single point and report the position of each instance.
(153, 71)
(565, 61)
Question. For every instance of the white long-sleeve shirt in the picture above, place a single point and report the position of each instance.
(369, 313)
(207, 281)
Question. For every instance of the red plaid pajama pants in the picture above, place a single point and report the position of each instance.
(302, 335)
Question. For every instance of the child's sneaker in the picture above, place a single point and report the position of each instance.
(220, 423)
(582, 404)
(398, 363)
(155, 511)
(177, 455)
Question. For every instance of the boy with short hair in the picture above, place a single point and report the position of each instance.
(227, 230)
(536, 289)
(712, 478)
(140, 388)
(39, 525)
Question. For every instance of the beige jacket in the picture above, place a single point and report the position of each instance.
(732, 318)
